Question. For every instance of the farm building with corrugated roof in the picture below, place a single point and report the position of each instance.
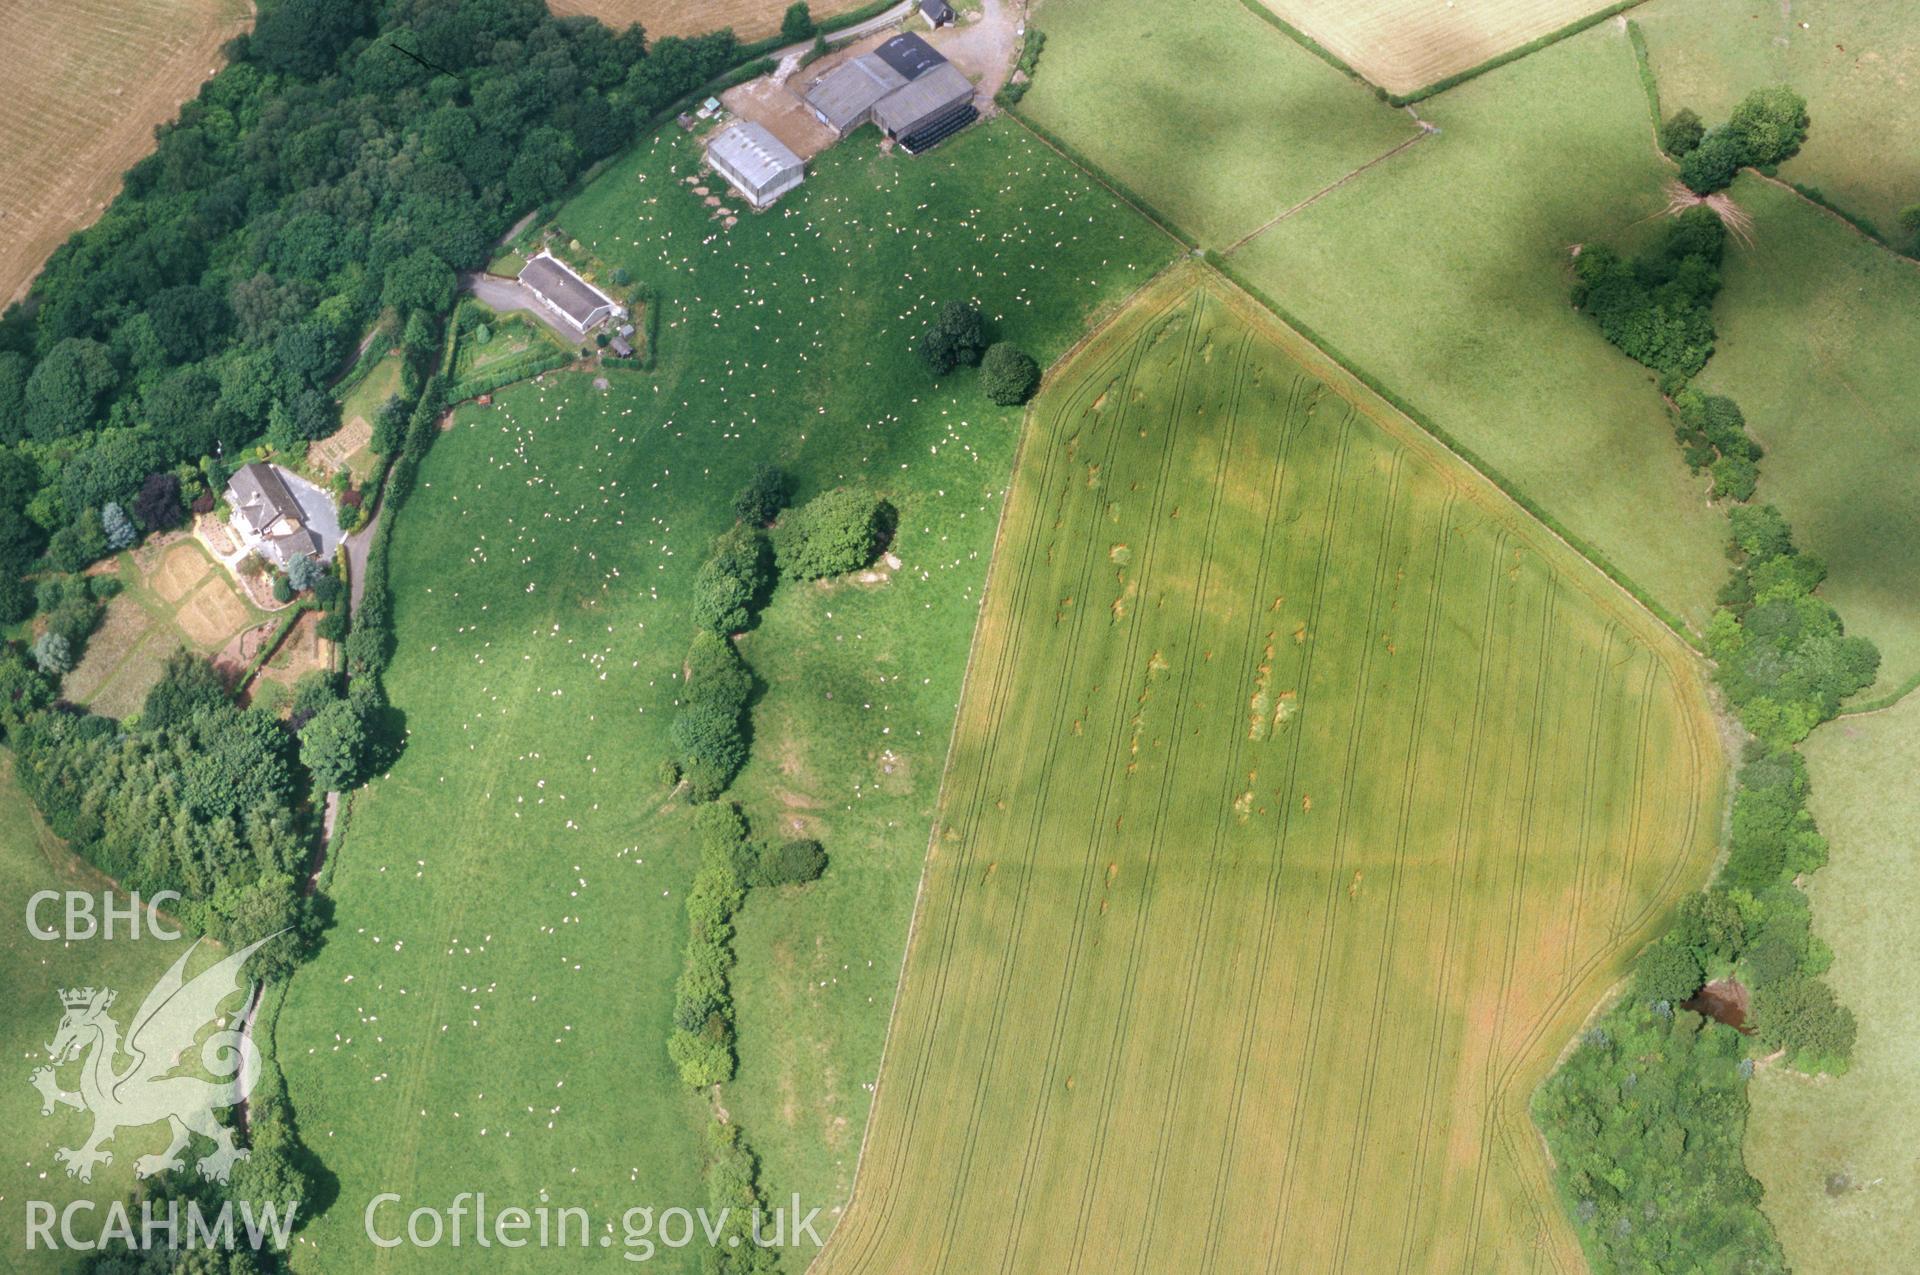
(755, 162)
(905, 86)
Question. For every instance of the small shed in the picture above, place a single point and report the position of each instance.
(621, 347)
(755, 162)
(938, 13)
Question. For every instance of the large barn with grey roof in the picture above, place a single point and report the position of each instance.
(905, 86)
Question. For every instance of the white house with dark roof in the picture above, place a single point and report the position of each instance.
(276, 521)
(576, 303)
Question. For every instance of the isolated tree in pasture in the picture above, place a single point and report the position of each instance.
(1008, 374)
(958, 335)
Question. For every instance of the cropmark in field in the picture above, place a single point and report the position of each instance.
(1304, 799)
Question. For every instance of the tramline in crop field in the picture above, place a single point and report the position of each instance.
(1304, 799)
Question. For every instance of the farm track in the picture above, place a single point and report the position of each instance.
(1475, 790)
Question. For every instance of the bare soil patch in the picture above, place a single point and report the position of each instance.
(212, 613)
(180, 568)
(780, 109)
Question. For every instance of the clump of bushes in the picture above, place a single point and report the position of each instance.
(790, 863)
(1645, 1120)
(836, 532)
(958, 335)
(1713, 431)
(764, 496)
(1766, 128)
(1008, 374)
(732, 584)
(701, 1041)
(1784, 659)
(710, 732)
(1658, 307)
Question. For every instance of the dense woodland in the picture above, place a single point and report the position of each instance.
(353, 156)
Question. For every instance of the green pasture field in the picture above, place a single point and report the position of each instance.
(1304, 799)
(33, 859)
(491, 1009)
(1836, 1153)
(1203, 110)
(1820, 345)
(1855, 61)
(1444, 273)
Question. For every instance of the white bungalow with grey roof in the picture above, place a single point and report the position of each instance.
(576, 303)
(279, 515)
(755, 162)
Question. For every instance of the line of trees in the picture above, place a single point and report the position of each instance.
(1646, 1116)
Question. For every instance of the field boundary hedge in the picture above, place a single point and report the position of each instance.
(517, 368)
(1514, 54)
(1308, 43)
(1114, 185)
(1649, 83)
(1510, 489)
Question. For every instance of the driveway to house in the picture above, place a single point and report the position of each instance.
(357, 545)
(503, 294)
(984, 47)
(322, 519)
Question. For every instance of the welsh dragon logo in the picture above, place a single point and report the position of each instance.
(146, 1091)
